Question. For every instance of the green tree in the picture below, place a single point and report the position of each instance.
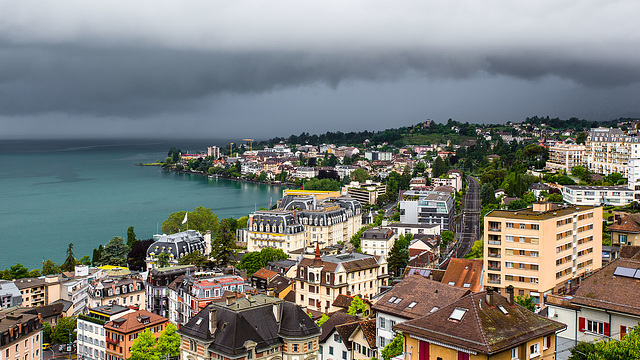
(223, 246)
(447, 237)
(398, 259)
(439, 167)
(50, 268)
(168, 342)
(131, 237)
(394, 348)
(578, 171)
(46, 331)
(268, 255)
(251, 262)
(357, 305)
(97, 256)
(85, 260)
(626, 348)
(201, 219)
(144, 347)
(555, 197)
(323, 319)
(242, 222)
(162, 260)
(115, 252)
(360, 175)
(526, 301)
(581, 138)
(583, 351)
(194, 258)
(63, 332)
(70, 262)
(487, 194)
(476, 250)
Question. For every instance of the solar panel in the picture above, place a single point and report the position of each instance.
(624, 271)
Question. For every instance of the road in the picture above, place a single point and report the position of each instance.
(469, 230)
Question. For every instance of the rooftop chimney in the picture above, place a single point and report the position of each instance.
(213, 319)
(489, 298)
(231, 299)
(317, 261)
(510, 293)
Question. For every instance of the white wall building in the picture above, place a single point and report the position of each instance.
(377, 241)
(566, 156)
(609, 151)
(90, 330)
(597, 195)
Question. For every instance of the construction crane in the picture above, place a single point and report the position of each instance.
(250, 143)
(231, 150)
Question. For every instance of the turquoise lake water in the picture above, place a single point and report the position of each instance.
(85, 192)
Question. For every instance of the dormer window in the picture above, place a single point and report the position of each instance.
(457, 314)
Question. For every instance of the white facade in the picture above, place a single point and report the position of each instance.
(91, 337)
(377, 245)
(454, 180)
(609, 151)
(566, 156)
(597, 195)
(384, 331)
(633, 172)
(334, 348)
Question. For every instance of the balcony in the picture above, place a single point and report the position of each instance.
(112, 341)
(495, 242)
(494, 267)
(493, 281)
(495, 229)
(494, 255)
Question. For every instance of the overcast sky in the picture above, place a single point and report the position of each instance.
(258, 69)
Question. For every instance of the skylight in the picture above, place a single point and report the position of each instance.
(435, 308)
(392, 299)
(457, 314)
(413, 303)
(452, 283)
(397, 301)
(466, 285)
(199, 321)
(504, 311)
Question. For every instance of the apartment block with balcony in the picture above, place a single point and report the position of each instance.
(120, 333)
(33, 291)
(566, 156)
(609, 151)
(427, 207)
(90, 330)
(20, 334)
(377, 241)
(597, 195)
(523, 246)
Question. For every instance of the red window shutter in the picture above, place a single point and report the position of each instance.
(581, 324)
(606, 330)
(548, 340)
(463, 355)
(623, 331)
(423, 351)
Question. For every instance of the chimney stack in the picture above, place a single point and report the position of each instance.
(213, 319)
(510, 294)
(231, 299)
(489, 297)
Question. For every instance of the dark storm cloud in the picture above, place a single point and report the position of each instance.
(148, 57)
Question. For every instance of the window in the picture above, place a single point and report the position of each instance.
(344, 355)
(534, 350)
(330, 350)
(508, 265)
(595, 327)
(522, 227)
(514, 353)
(510, 225)
(457, 314)
(295, 347)
(310, 346)
(534, 227)
(337, 338)
(413, 303)
(382, 323)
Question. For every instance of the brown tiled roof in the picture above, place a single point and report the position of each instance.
(425, 292)
(483, 328)
(627, 224)
(345, 331)
(328, 266)
(50, 310)
(175, 284)
(336, 319)
(630, 252)
(369, 330)
(344, 301)
(606, 291)
(464, 271)
(130, 322)
(265, 274)
(423, 259)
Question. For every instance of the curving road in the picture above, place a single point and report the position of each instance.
(469, 230)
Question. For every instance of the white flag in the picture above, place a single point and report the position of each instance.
(185, 218)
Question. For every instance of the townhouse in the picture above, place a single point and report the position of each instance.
(377, 241)
(120, 333)
(90, 330)
(20, 334)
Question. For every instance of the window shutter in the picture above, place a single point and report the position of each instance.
(606, 330)
(581, 324)
(623, 331)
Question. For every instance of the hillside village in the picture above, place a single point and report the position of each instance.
(435, 241)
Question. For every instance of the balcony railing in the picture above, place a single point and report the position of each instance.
(112, 341)
(494, 281)
(494, 242)
(494, 267)
(494, 255)
(495, 229)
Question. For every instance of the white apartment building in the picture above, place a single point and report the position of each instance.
(452, 178)
(377, 241)
(90, 330)
(633, 172)
(609, 151)
(597, 195)
(566, 156)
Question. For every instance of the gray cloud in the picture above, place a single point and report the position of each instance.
(135, 60)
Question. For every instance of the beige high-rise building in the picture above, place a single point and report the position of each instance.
(547, 248)
(566, 156)
(609, 151)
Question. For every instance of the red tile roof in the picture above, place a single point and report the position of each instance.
(134, 322)
(627, 224)
(265, 274)
(464, 271)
